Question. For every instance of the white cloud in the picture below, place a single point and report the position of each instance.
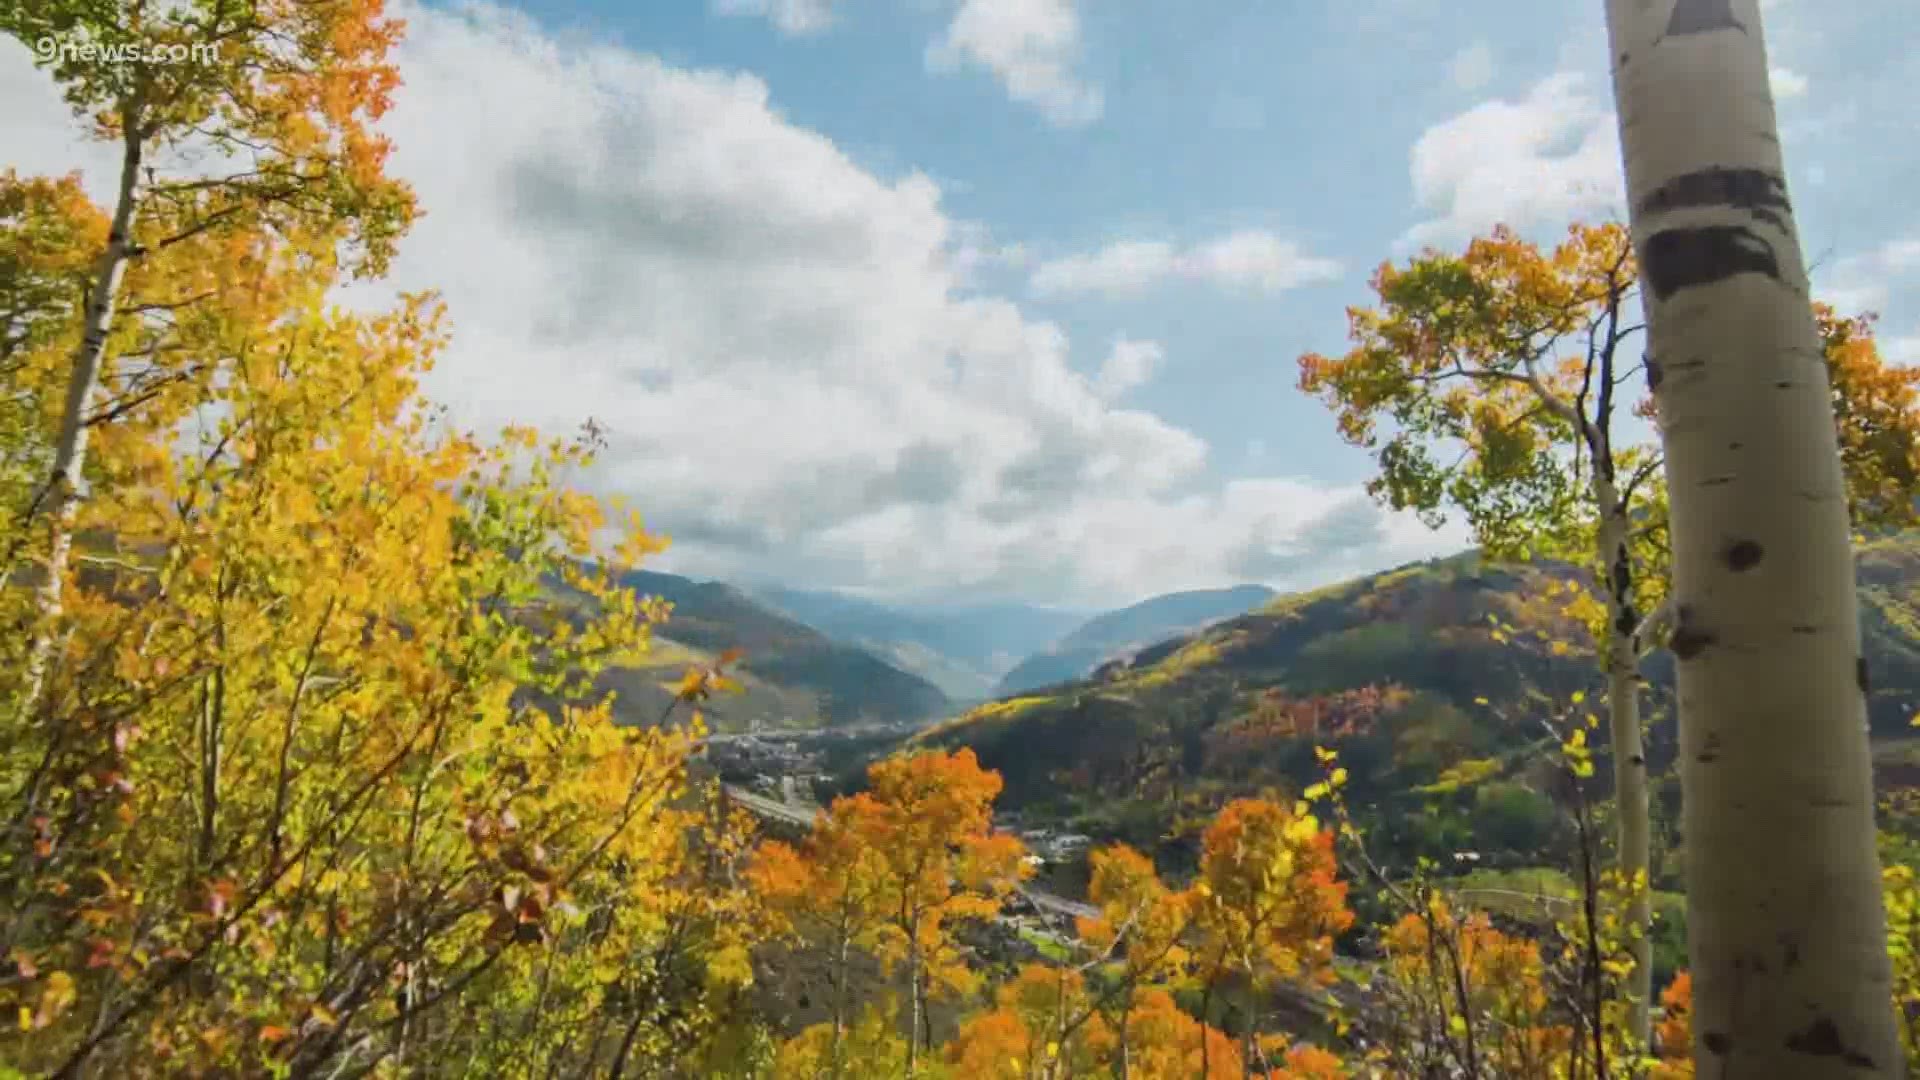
(1256, 259)
(1031, 46)
(1787, 83)
(1250, 258)
(1131, 364)
(796, 382)
(1550, 157)
(977, 251)
(41, 135)
(1472, 67)
(1125, 266)
(1864, 281)
(790, 16)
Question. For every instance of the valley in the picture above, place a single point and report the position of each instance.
(968, 540)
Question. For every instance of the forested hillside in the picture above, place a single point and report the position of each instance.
(1135, 626)
(792, 675)
(1431, 680)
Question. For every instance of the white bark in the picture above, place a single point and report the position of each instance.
(1633, 854)
(66, 487)
(1786, 924)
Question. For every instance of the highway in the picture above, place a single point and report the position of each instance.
(794, 814)
(788, 812)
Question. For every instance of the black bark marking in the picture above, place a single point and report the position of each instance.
(1655, 374)
(1822, 1039)
(1760, 193)
(1860, 675)
(1702, 16)
(1803, 628)
(1735, 445)
(1743, 555)
(1624, 57)
(1681, 258)
(1789, 953)
(1637, 761)
(1717, 1042)
(1688, 640)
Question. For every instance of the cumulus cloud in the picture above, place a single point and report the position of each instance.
(1031, 46)
(1249, 259)
(1129, 365)
(797, 381)
(796, 17)
(1864, 281)
(1549, 157)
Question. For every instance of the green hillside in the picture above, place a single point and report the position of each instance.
(792, 674)
(1436, 717)
(1116, 632)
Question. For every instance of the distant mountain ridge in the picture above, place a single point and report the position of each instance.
(963, 649)
(1430, 681)
(794, 674)
(1136, 626)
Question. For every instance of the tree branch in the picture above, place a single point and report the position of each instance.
(1655, 622)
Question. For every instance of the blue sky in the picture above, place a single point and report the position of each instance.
(937, 297)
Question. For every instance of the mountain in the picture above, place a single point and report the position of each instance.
(963, 649)
(1106, 636)
(793, 674)
(1431, 682)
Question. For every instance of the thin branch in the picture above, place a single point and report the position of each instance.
(1652, 627)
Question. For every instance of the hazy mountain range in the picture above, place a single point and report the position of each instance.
(964, 649)
(817, 656)
(1116, 633)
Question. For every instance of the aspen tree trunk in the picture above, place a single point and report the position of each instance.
(1633, 854)
(66, 486)
(913, 994)
(839, 1004)
(1786, 925)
